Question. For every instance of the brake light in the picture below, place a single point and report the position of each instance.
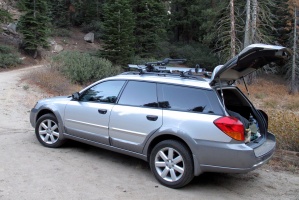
(232, 127)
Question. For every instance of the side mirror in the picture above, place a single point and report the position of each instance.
(76, 96)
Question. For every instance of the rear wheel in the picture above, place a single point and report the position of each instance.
(172, 164)
(47, 131)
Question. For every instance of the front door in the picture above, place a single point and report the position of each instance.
(88, 117)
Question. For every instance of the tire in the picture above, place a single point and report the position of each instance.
(172, 164)
(47, 131)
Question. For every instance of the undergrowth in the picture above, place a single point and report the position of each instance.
(8, 58)
(83, 68)
(270, 93)
(52, 81)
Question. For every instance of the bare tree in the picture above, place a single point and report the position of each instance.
(293, 71)
(254, 21)
(227, 43)
(247, 24)
(232, 29)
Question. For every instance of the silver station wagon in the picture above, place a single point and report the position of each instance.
(181, 123)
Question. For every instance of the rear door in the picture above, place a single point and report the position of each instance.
(135, 116)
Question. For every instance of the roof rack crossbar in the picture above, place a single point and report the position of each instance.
(187, 76)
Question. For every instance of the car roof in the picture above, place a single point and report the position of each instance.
(178, 80)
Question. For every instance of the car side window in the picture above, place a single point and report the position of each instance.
(137, 93)
(106, 92)
(185, 99)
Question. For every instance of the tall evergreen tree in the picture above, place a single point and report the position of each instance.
(282, 22)
(59, 12)
(87, 11)
(34, 25)
(151, 16)
(185, 20)
(118, 34)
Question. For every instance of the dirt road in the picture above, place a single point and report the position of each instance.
(77, 171)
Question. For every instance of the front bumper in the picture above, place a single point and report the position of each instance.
(231, 158)
(33, 115)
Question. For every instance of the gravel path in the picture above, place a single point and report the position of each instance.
(78, 171)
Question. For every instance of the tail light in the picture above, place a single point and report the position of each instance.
(232, 127)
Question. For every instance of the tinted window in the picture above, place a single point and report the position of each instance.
(103, 92)
(185, 99)
(139, 94)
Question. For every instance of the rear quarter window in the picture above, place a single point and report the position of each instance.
(188, 99)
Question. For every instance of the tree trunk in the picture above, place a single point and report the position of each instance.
(254, 20)
(247, 25)
(293, 88)
(232, 29)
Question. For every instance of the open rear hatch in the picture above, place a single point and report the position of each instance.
(249, 60)
(236, 104)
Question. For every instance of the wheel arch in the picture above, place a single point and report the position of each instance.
(179, 136)
(51, 110)
(163, 137)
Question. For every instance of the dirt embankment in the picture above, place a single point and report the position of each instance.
(76, 171)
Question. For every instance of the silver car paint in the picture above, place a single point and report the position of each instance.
(196, 125)
(82, 119)
(129, 126)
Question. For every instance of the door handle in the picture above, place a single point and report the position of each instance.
(152, 117)
(102, 111)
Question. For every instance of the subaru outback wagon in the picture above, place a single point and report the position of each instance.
(183, 125)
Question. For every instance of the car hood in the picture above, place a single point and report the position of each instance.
(55, 99)
(250, 59)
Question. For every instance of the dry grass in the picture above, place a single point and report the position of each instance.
(269, 93)
(52, 81)
(285, 160)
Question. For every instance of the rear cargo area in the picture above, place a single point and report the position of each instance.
(237, 105)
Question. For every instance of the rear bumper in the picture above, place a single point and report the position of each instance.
(231, 158)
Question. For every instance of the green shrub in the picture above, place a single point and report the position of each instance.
(5, 16)
(7, 57)
(83, 68)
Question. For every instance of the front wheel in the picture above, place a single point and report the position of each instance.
(47, 131)
(172, 164)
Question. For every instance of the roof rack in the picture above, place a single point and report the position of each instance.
(163, 74)
(158, 68)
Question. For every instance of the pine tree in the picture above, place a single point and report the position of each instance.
(87, 11)
(282, 22)
(185, 20)
(34, 26)
(118, 34)
(150, 28)
(59, 12)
